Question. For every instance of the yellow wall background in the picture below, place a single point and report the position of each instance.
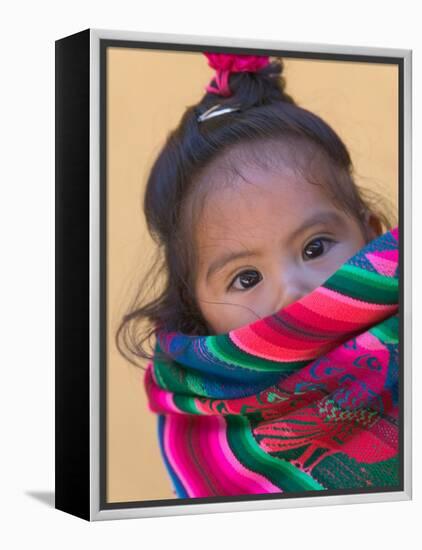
(147, 92)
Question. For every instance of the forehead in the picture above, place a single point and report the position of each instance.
(258, 202)
(258, 163)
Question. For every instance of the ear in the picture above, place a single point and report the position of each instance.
(374, 226)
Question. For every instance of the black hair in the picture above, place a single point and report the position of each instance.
(268, 117)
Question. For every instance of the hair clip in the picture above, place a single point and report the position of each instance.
(215, 111)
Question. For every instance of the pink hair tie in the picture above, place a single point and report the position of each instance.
(224, 64)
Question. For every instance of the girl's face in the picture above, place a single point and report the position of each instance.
(264, 245)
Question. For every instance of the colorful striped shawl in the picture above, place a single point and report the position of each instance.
(303, 400)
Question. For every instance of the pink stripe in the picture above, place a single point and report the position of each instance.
(212, 450)
(395, 232)
(161, 400)
(287, 338)
(211, 455)
(262, 348)
(212, 445)
(257, 483)
(357, 305)
(382, 264)
(370, 342)
(319, 320)
(265, 342)
(168, 399)
(174, 446)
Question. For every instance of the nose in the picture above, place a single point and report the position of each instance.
(289, 298)
(290, 289)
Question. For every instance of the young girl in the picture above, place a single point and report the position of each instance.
(275, 333)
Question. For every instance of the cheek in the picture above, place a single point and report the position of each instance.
(317, 272)
(214, 315)
(343, 251)
(215, 310)
(230, 317)
(223, 313)
(205, 299)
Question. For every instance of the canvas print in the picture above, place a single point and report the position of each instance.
(252, 235)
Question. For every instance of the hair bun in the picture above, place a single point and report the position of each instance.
(247, 79)
(236, 63)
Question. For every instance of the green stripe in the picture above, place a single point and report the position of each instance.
(250, 454)
(158, 374)
(387, 331)
(360, 273)
(363, 285)
(186, 404)
(224, 349)
(174, 378)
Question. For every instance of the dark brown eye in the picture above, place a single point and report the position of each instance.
(246, 279)
(316, 248)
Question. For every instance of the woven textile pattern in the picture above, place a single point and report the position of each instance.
(303, 400)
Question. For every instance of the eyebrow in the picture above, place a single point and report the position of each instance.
(318, 218)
